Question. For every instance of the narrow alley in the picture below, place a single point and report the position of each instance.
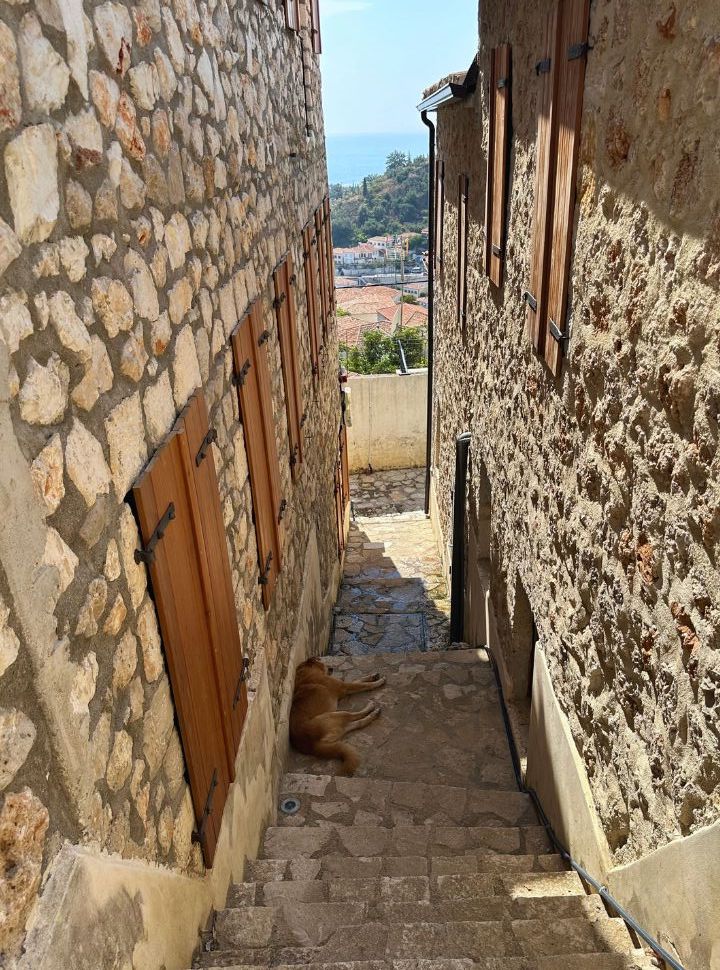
(430, 856)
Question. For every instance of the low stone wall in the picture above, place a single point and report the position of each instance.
(388, 420)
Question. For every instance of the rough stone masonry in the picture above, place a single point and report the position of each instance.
(157, 159)
(603, 487)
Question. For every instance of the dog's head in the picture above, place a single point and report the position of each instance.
(313, 666)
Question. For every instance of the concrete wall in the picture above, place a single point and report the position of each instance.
(604, 484)
(388, 420)
(157, 160)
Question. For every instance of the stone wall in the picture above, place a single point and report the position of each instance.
(158, 160)
(602, 488)
(389, 420)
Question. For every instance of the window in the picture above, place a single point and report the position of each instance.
(252, 377)
(311, 294)
(314, 6)
(462, 241)
(184, 545)
(561, 74)
(285, 281)
(497, 164)
(292, 14)
(439, 211)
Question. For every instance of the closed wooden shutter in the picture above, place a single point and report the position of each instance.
(439, 211)
(167, 514)
(316, 40)
(285, 283)
(344, 467)
(571, 82)
(253, 380)
(462, 241)
(231, 671)
(547, 73)
(327, 219)
(292, 14)
(311, 298)
(498, 163)
(339, 505)
(322, 268)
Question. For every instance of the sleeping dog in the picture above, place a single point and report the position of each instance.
(317, 727)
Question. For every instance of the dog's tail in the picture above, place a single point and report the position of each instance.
(343, 752)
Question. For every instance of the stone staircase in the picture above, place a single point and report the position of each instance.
(428, 859)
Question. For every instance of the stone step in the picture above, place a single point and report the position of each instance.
(335, 867)
(579, 961)
(392, 594)
(467, 940)
(290, 922)
(409, 889)
(441, 722)
(372, 801)
(366, 841)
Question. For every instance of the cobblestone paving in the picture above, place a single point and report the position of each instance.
(393, 597)
(388, 493)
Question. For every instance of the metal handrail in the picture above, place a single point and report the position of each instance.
(660, 952)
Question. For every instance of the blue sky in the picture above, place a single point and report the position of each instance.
(378, 55)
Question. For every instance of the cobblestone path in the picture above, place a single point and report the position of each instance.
(393, 597)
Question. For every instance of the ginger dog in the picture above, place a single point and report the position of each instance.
(317, 727)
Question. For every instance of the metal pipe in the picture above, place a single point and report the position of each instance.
(457, 577)
(431, 300)
(403, 360)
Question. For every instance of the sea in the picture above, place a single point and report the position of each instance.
(352, 157)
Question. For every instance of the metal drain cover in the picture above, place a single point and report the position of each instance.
(290, 806)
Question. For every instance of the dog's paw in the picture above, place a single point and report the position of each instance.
(378, 681)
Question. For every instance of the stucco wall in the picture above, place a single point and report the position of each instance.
(389, 415)
(156, 161)
(604, 485)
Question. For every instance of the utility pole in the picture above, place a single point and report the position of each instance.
(402, 280)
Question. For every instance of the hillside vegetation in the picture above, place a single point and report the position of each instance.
(394, 202)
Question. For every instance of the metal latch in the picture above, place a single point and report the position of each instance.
(577, 51)
(530, 300)
(562, 338)
(263, 338)
(502, 83)
(239, 378)
(205, 446)
(207, 811)
(497, 251)
(264, 577)
(279, 300)
(282, 510)
(241, 680)
(147, 554)
(543, 66)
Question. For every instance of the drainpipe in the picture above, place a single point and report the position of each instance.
(457, 577)
(431, 299)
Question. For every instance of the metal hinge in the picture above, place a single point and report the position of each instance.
(578, 51)
(303, 419)
(205, 446)
(562, 338)
(241, 680)
(530, 300)
(279, 300)
(263, 338)
(543, 67)
(239, 378)
(502, 83)
(147, 553)
(294, 456)
(496, 251)
(207, 811)
(264, 578)
(282, 510)
(293, 279)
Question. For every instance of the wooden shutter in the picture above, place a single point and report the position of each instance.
(339, 505)
(229, 661)
(292, 14)
(167, 514)
(327, 220)
(311, 298)
(253, 381)
(322, 267)
(439, 211)
(546, 70)
(463, 188)
(571, 81)
(498, 163)
(284, 282)
(315, 26)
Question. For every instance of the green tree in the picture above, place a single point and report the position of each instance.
(379, 354)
